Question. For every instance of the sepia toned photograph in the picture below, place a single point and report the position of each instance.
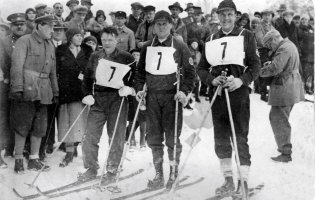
(157, 100)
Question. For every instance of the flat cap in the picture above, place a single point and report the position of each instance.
(269, 36)
(72, 2)
(16, 17)
(197, 10)
(288, 12)
(149, 8)
(137, 5)
(225, 5)
(163, 15)
(86, 1)
(48, 19)
(40, 5)
(305, 16)
(266, 12)
(176, 5)
(189, 5)
(121, 14)
(80, 9)
(282, 7)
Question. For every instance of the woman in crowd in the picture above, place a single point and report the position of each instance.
(72, 59)
(97, 24)
(30, 19)
(244, 21)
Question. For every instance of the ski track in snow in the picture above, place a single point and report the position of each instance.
(292, 181)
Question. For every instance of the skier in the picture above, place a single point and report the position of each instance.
(107, 69)
(231, 49)
(160, 60)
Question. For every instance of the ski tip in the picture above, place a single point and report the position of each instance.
(16, 193)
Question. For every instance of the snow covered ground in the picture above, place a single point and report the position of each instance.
(292, 181)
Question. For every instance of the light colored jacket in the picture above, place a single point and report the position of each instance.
(286, 87)
(33, 69)
(125, 39)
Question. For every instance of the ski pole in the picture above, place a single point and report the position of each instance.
(51, 123)
(111, 142)
(56, 149)
(127, 144)
(194, 140)
(235, 142)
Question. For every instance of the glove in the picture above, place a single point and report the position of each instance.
(181, 97)
(17, 95)
(56, 100)
(88, 100)
(219, 80)
(125, 91)
(233, 83)
(139, 95)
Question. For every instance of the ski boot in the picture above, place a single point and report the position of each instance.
(68, 158)
(36, 165)
(239, 193)
(109, 177)
(88, 175)
(158, 181)
(50, 149)
(172, 178)
(282, 158)
(18, 167)
(227, 188)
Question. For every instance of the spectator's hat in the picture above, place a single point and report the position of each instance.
(305, 16)
(189, 5)
(100, 13)
(90, 38)
(121, 14)
(59, 25)
(40, 5)
(47, 19)
(137, 5)
(16, 17)
(258, 13)
(149, 8)
(112, 13)
(282, 7)
(176, 5)
(80, 9)
(266, 12)
(72, 2)
(87, 2)
(288, 12)
(71, 32)
(226, 5)
(197, 10)
(163, 15)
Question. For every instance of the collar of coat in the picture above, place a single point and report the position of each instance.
(113, 55)
(37, 37)
(179, 24)
(166, 43)
(235, 32)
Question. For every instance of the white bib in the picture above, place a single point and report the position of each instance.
(226, 51)
(110, 74)
(160, 60)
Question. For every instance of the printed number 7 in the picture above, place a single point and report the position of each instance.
(160, 54)
(224, 48)
(111, 76)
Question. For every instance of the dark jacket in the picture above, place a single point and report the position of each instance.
(307, 43)
(290, 31)
(133, 23)
(118, 56)
(68, 70)
(196, 32)
(180, 29)
(144, 32)
(251, 60)
(182, 57)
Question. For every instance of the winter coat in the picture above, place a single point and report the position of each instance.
(307, 43)
(133, 23)
(33, 69)
(69, 69)
(196, 32)
(141, 32)
(180, 29)
(286, 87)
(290, 31)
(125, 39)
(187, 20)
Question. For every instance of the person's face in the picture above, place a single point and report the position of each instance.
(258, 16)
(86, 5)
(288, 18)
(214, 17)
(79, 16)
(18, 28)
(31, 15)
(150, 15)
(255, 25)
(46, 30)
(58, 34)
(296, 22)
(175, 12)
(3, 32)
(227, 19)
(304, 21)
(267, 17)
(49, 11)
(109, 42)
(77, 40)
(120, 21)
(198, 17)
(136, 11)
(243, 22)
(136, 56)
(91, 44)
(162, 28)
(100, 19)
(40, 11)
(190, 12)
(72, 5)
(58, 9)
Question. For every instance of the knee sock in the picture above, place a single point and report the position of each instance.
(245, 172)
(35, 145)
(19, 146)
(226, 167)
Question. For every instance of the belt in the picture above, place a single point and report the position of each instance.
(171, 91)
(39, 75)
